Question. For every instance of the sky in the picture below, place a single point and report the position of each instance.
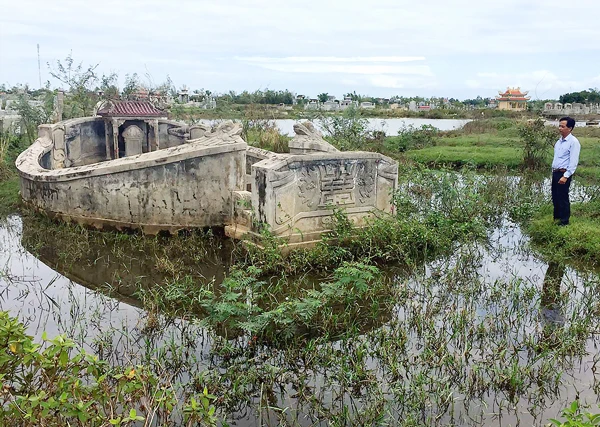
(443, 48)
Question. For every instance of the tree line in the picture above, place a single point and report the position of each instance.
(590, 96)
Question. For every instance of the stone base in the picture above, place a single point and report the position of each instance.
(108, 224)
(288, 242)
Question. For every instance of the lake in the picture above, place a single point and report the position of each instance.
(389, 126)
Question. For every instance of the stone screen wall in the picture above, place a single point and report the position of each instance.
(297, 194)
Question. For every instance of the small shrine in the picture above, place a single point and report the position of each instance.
(131, 127)
(512, 99)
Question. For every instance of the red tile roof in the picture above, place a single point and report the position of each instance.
(130, 109)
(512, 94)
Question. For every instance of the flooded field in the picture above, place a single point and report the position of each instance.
(486, 333)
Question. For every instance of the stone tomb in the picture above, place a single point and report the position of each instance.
(155, 174)
(294, 194)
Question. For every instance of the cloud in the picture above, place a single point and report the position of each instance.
(397, 44)
(473, 84)
(386, 81)
(402, 82)
(294, 59)
(341, 65)
(366, 71)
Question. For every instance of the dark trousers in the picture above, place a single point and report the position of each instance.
(560, 198)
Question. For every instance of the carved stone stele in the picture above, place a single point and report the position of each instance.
(134, 138)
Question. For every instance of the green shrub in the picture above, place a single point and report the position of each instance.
(56, 384)
(413, 138)
(348, 131)
(537, 139)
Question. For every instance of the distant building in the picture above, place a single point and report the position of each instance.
(313, 104)
(330, 105)
(367, 105)
(568, 109)
(183, 95)
(512, 99)
(347, 102)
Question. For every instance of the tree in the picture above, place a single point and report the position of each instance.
(537, 139)
(323, 97)
(132, 82)
(34, 115)
(348, 130)
(166, 87)
(592, 95)
(80, 82)
(108, 86)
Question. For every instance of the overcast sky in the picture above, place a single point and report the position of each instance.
(452, 48)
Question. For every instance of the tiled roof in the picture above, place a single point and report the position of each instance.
(512, 98)
(130, 109)
(513, 92)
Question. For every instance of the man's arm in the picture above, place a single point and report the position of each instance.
(573, 158)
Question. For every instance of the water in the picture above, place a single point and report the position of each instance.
(389, 126)
(93, 302)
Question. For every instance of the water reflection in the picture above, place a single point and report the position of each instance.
(550, 307)
(552, 317)
(123, 266)
(119, 264)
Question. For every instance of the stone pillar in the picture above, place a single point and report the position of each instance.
(115, 126)
(156, 134)
(107, 139)
(59, 157)
(59, 106)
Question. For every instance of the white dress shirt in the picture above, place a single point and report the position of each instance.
(566, 154)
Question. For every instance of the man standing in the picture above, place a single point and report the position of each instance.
(566, 157)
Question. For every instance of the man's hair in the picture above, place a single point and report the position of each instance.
(570, 121)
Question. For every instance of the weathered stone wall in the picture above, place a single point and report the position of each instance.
(189, 185)
(255, 155)
(78, 142)
(296, 195)
(309, 140)
(85, 143)
(171, 139)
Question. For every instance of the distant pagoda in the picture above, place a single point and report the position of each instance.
(512, 99)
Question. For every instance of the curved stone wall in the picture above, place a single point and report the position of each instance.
(187, 185)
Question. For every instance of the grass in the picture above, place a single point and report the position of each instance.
(579, 242)
(487, 144)
(9, 195)
(480, 156)
(10, 147)
(388, 325)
